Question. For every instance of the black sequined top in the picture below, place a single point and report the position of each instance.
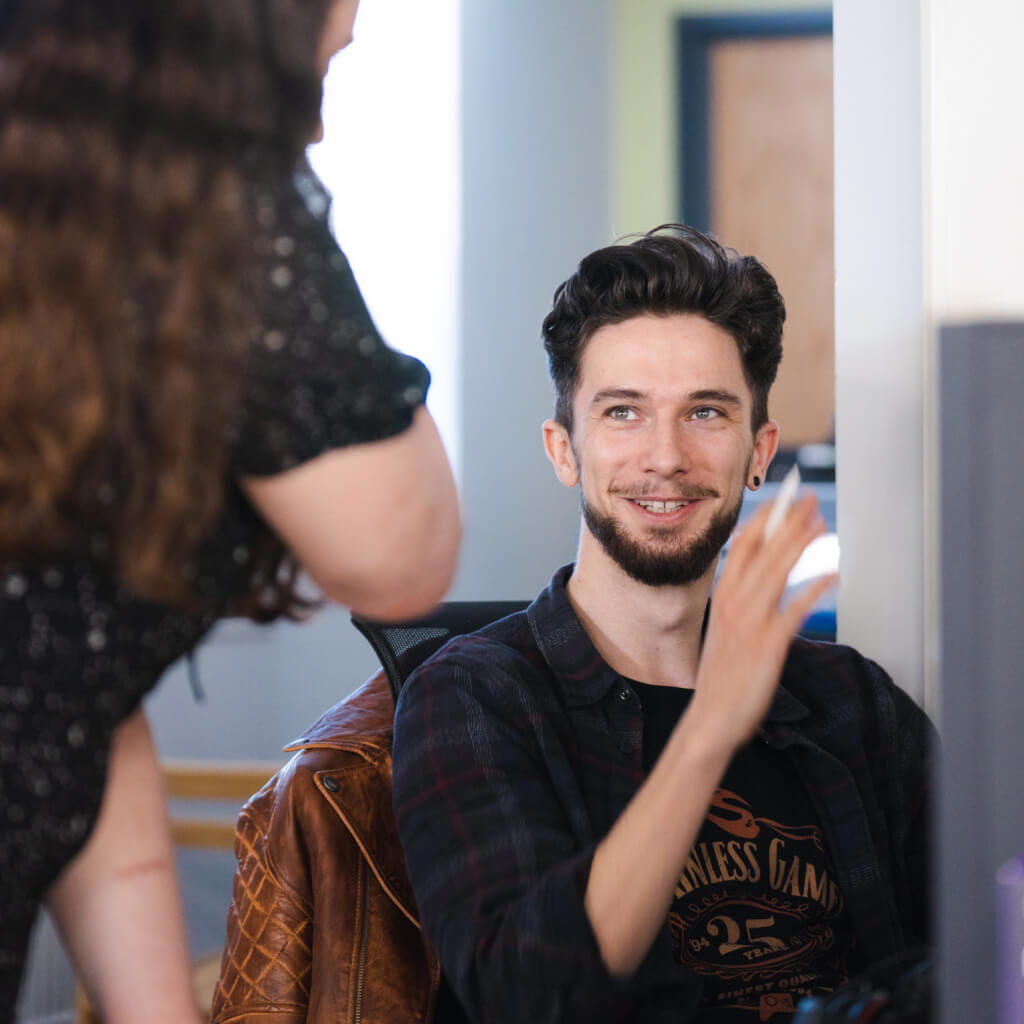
(78, 652)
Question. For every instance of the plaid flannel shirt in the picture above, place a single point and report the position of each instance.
(516, 749)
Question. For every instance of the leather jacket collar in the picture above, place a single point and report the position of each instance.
(360, 789)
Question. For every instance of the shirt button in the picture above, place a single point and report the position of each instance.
(626, 746)
(331, 784)
(623, 694)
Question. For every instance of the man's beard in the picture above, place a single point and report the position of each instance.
(662, 566)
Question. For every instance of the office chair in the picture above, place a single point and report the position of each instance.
(403, 646)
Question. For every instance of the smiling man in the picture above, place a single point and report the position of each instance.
(629, 802)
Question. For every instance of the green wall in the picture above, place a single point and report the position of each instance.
(644, 102)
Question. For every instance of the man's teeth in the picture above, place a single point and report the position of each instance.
(662, 506)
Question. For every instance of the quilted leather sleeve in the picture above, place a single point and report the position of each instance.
(266, 966)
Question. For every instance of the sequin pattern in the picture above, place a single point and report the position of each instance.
(78, 652)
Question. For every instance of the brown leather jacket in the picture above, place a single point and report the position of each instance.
(323, 927)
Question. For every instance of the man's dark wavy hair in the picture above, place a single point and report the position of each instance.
(671, 269)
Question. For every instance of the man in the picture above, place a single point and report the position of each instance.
(627, 803)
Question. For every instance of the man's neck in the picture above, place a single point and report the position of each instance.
(650, 634)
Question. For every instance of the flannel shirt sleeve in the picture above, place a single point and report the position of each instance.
(496, 861)
(911, 745)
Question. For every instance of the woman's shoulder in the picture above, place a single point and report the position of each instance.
(319, 375)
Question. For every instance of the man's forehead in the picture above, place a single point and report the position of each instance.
(682, 355)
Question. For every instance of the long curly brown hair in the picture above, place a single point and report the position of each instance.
(127, 131)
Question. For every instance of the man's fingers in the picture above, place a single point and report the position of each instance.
(761, 576)
(803, 527)
(800, 607)
(750, 536)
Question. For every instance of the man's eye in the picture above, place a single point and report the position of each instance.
(621, 412)
(705, 413)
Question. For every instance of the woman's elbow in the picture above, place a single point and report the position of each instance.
(410, 575)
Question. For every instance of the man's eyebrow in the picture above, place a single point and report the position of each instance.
(616, 395)
(711, 395)
(632, 395)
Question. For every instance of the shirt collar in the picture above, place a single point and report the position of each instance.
(584, 675)
(785, 707)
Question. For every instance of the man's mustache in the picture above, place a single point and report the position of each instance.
(666, 493)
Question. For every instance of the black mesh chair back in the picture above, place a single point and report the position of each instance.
(403, 646)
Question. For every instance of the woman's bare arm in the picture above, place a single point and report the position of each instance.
(117, 905)
(376, 525)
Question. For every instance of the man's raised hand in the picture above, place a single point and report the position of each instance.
(749, 632)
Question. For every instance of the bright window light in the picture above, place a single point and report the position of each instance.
(391, 158)
(819, 558)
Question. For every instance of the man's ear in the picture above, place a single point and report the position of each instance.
(558, 447)
(766, 443)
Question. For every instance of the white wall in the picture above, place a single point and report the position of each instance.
(536, 144)
(974, 209)
(929, 229)
(881, 349)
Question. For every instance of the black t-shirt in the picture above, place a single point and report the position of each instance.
(756, 913)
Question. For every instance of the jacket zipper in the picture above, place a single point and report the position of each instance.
(364, 936)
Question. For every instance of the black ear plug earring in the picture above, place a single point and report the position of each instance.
(757, 482)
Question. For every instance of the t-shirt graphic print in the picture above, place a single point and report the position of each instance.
(756, 912)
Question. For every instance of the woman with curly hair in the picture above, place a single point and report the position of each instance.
(194, 402)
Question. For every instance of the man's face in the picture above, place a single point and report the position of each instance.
(662, 445)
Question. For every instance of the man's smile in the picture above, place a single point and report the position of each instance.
(662, 506)
(665, 511)
(667, 504)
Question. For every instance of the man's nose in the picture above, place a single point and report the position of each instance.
(667, 451)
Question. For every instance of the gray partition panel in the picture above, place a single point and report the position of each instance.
(981, 806)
